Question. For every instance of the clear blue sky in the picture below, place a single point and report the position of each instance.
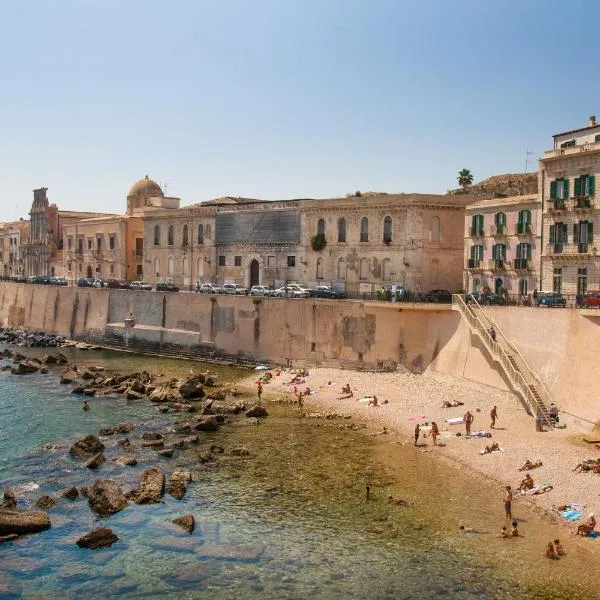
(282, 98)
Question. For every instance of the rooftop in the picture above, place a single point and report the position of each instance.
(502, 202)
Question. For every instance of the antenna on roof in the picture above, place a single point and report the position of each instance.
(527, 155)
(164, 184)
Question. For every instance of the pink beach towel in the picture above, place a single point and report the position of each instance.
(417, 417)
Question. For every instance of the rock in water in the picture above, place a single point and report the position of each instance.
(10, 500)
(186, 522)
(70, 494)
(98, 538)
(86, 447)
(191, 388)
(45, 502)
(22, 521)
(178, 484)
(106, 497)
(166, 453)
(125, 461)
(24, 368)
(96, 461)
(257, 411)
(151, 488)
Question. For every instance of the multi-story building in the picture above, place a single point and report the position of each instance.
(570, 261)
(12, 236)
(502, 245)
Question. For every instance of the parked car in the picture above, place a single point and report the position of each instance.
(261, 290)
(99, 283)
(550, 299)
(293, 290)
(166, 287)
(441, 296)
(39, 279)
(19, 279)
(61, 281)
(117, 284)
(208, 288)
(233, 289)
(140, 285)
(326, 291)
(591, 298)
(83, 282)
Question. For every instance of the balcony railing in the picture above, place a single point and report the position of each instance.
(521, 264)
(523, 229)
(589, 147)
(474, 263)
(563, 249)
(557, 204)
(476, 231)
(581, 202)
(498, 230)
(497, 264)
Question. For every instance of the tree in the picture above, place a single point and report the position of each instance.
(465, 178)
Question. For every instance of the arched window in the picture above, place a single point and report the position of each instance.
(170, 266)
(387, 269)
(170, 235)
(435, 229)
(157, 235)
(321, 227)
(320, 268)
(364, 269)
(364, 229)
(341, 270)
(387, 230)
(157, 267)
(342, 230)
(200, 234)
(185, 240)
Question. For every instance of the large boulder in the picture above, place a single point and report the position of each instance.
(71, 493)
(23, 368)
(191, 388)
(10, 500)
(106, 497)
(257, 411)
(68, 377)
(131, 395)
(49, 359)
(178, 484)
(125, 461)
(151, 487)
(22, 521)
(164, 393)
(98, 538)
(124, 427)
(45, 502)
(206, 424)
(186, 522)
(86, 447)
(96, 461)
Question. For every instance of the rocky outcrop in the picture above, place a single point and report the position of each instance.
(106, 497)
(191, 388)
(98, 538)
(125, 461)
(30, 339)
(86, 447)
(166, 453)
(178, 484)
(186, 522)
(45, 502)
(23, 368)
(257, 411)
(10, 500)
(71, 493)
(22, 521)
(96, 461)
(151, 487)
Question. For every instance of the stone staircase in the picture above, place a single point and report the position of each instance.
(523, 380)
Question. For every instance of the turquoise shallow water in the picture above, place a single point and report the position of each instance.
(287, 521)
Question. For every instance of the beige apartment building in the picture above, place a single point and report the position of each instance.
(570, 261)
(503, 245)
(12, 236)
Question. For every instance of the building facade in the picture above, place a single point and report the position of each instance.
(570, 261)
(503, 245)
(12, 237)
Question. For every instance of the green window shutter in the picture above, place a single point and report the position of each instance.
(480, 223)
(578, 186)
(528, 251)
(494, 251)
(566, 189)
(590, 233)
(552, 236)
(565, 234)
(553, 189)
(473, 252)
(575, 233)
(591, 185)
(497, 219)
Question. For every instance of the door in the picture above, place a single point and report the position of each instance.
(498, 285)
(254, 273)
(89, 272)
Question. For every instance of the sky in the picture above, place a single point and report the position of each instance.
(282, 98)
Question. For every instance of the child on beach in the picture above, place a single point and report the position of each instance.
(515, 530)
(558, 548)
(503, 533)
(550, 553)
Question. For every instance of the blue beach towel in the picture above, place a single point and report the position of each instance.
(571, 515)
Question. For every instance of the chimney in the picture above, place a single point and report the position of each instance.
(592, 121)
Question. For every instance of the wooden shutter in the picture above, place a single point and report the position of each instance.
(565, 189)
(553, 189)
(565, 234)
(552, 236)
(578, 186)
(591, 185)
(590, 232)
(575, 233)
(527, 252)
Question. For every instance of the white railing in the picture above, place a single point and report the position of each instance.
(522, 377)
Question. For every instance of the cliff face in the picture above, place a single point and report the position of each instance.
(502, 186)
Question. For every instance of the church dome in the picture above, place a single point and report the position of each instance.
(145, 187)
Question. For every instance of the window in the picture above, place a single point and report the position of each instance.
(320, 268)
(387, 269)
(341, 272)
(557, 279)
(291, 261)
(139, 272)
(170, 266)
(342, 230)
(157, 267)
(435, 229)
(568, 144)
(558, 236)
(477, 225)
(185, 266)
(69, 243)
(170, 235)
(524, 251)
(99, 244)
(112, 269)
(111, 242)
(270, 261)
(585, 185)
(364, 229)
(68, 266)
(583, 234)
(80, 267)
(199, 267)
(500, 222)
(185, 240)
(157, 235)
(524, 222)
(523, 287)
(559, 189)
(89, 244)
(237, 261)
(221, 260)
(499, 252)
(364, 269)
(207, 231)
(139, 246)
(387, 230)
(477, 253)
(582, 280)
(597, 138)
(321, 227)
(200, 234)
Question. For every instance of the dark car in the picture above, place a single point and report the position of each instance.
(441, 296)
(550, 299)
(325, 291)
(166, 287)
(19, 279)
(117, 284)
(83, 282)
(61, 281)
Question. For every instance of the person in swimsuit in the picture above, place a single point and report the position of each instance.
(508, 502)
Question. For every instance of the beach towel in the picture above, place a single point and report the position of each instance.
(416, 417)
(483, 452)
(455, 421)
(365, 399)
(538, 488)
(446, 436)
(571, 515)
(478, 434)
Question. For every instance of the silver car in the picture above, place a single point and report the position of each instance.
(261, 290)
(209, 288)
(234, 289)
(140, 285)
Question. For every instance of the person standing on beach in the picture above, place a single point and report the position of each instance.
(508, 496)
(417, 433)
(434, 432)
(259, 391)
(468, 420)
(493, 417)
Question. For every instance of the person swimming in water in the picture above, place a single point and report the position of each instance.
(85, 405)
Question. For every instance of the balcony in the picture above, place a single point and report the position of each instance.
(476, 231)
(498, 230)
(474, 263)
(523, 229)
(557, 205)
(560, 249)
(497, 264)
(589, 147)
(582, 203)
(521, 264)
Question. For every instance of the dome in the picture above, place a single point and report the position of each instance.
(145, 187)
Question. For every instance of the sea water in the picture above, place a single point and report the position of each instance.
(287, 520)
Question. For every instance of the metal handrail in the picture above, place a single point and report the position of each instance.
(525, 367)
(496, 349)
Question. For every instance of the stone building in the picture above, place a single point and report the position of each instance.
(108, 246)
(570, 261)
(356, 243)
(503, 245)
(12, 236)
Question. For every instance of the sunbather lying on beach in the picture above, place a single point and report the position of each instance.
(526, 484)
(489, 449)
(398, 501)
(464, 529)
(588, 465)
(528, 465)
(451, 404)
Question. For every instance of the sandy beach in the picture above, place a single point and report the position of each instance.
(405, 399)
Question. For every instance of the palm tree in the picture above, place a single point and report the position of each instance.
(465, 178)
